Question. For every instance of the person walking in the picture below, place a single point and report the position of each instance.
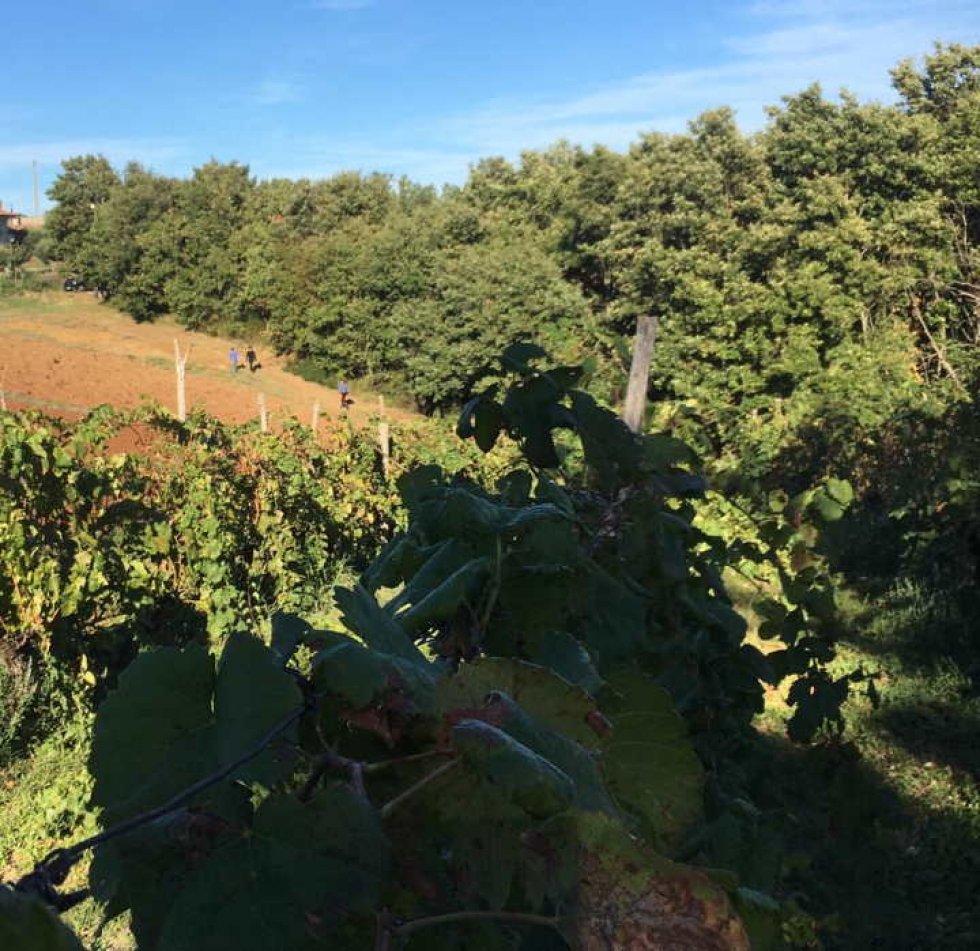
(344, 391)
(233, 358)
(251, 359)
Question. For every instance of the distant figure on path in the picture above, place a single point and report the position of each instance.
(344, 391)
(251, 359)
(233, 358)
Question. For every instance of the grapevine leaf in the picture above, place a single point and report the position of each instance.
(360, 675)
(648, 761)
(761, 916)
(152, 734)
(144, 870)
(27, 924)
(369, 621)
(464, 426)
(288, 632)
(631, 897)
(515, 487)
(661, 453)
(251, 695)
(565, 712)
(550, 491)
(173, 720)
(611, 450)
(444, 559)
(532, 515)
(444, 600)
(546, 696)
(488, 422)
(562, 653)
(516, 356)
(537, 786)
(290, 884)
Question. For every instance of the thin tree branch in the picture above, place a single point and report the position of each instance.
(370, 768)
(393, 804)
(504, 917)
(939, 352)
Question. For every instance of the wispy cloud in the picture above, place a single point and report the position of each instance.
(152, 152)
(839, 43)
(275, 92)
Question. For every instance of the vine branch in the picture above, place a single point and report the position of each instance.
(53, 869)
(393, 804)
(388, 927)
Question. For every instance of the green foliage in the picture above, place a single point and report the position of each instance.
(27, 924)
(205, 536)
(532, 799)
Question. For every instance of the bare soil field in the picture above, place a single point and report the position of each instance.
(65, 353)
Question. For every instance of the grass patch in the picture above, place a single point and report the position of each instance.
(883, 828)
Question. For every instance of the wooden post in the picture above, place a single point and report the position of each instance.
(180, 363)
(315, 419)
(263, 414)
(384, 438)
(635, 404)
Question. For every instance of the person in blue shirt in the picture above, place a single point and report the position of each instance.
(344, 391)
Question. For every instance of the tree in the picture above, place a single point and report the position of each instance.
(86, 181)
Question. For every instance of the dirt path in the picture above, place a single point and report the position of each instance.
(65, 353)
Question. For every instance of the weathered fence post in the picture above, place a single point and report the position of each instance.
(635, 404)
(263, 414)
(384, 437)
(180, 364)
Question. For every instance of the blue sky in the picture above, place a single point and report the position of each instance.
(419, 87)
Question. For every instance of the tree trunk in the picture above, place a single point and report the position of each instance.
(644, 343)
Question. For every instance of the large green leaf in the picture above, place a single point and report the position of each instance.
(648, 761)
(558, 704)
(445, 599)
(251, 695)
(562, 653)
(562, 716)
(173, 720)
(291, 883)
(361, 676)
(144, 871)
(534, 784)
(27, 924)
(442, 561)
(153, 734)
(368, 620)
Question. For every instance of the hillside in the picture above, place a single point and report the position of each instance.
(65, 353)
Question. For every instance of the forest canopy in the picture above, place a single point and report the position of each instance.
(841, 237)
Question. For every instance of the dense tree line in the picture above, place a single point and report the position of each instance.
(826, 267)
